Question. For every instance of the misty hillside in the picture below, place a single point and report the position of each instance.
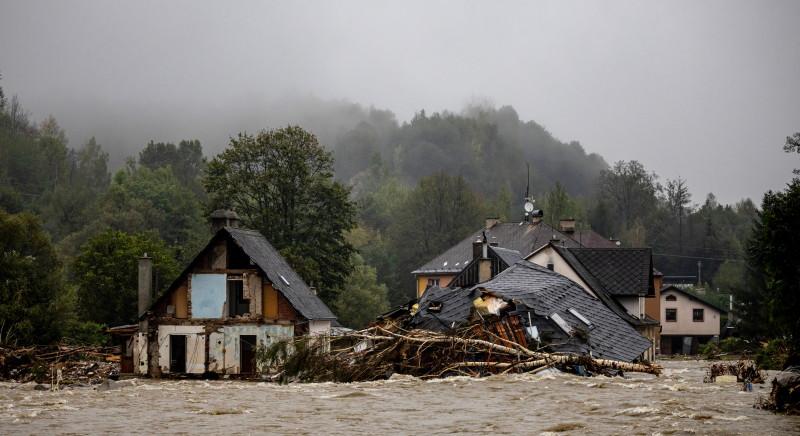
(487, 146)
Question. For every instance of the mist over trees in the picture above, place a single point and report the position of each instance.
(354, 199)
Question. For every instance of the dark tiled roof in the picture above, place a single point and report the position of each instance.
(456, 308)
(282, 276)
(547, 292)
(524, 238)
(596, 286)
(693, 296)
(621, 271)
(510, 257)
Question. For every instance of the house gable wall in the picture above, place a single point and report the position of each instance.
(710, 326)
(547, 255)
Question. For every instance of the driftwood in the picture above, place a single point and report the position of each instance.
(382, 350)
(65, 363)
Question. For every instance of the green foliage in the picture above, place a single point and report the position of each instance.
(107, 274)
(362, 298)
(186, 161)
(30, 282)
(141, 199)
(281, 183)
(769, 306)
(70, 205)
(774, 354)
(558, 204)
(438, 213)
(630, 193)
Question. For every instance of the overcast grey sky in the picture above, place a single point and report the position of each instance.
(699, 89)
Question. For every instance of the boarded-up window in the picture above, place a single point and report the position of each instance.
(181, 303)
(270, 302)
(208, 295)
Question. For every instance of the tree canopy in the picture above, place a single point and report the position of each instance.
(281, 183)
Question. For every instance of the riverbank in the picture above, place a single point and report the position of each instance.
(677, 402)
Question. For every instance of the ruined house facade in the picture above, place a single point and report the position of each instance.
(237, 294)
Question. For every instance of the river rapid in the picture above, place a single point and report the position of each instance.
(677, 402)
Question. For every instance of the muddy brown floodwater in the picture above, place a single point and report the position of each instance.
(676, 403)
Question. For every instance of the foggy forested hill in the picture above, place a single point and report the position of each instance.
(416, 188)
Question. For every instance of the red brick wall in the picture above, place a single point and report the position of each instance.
(285, 309)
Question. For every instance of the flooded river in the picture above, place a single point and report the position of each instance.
(676, 403)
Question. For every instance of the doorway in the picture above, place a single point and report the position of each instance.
(247, 354)
(177, 354)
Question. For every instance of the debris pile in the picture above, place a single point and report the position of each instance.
(377, 352)
(785, 394)
(745, 371)
(59, 364)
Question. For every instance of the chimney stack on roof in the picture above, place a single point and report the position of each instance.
(223, 218)
(567, 225)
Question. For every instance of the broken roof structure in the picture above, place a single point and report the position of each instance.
(558, 307)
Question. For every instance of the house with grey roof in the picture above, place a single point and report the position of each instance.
(237, 294)
(623, 278)
(523, 237)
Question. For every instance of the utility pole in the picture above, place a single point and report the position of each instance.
(699, 276)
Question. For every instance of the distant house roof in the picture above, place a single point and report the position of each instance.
(693, 296)
(524, 238)
(590, 238)
(274, 266)
(620, 271)
(544, 293)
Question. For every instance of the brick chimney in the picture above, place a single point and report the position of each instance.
(145, 283)
(223, 218)
(567, 225)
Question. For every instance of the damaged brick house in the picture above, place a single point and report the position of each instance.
(237, 293)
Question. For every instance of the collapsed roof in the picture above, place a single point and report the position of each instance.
(554, 304)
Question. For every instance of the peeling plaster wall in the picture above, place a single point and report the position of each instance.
(140, 354)
(195, 347)
(317, 327)
(229, 355)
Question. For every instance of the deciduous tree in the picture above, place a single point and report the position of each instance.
(281, 183)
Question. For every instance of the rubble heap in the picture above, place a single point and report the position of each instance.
(377, 352)
(59, 364)
(744, 370)
(785, 394)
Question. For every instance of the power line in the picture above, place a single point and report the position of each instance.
(721, 259)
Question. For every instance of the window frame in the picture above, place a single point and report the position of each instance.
(671, 298)
(695, 311)
(673, 311)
